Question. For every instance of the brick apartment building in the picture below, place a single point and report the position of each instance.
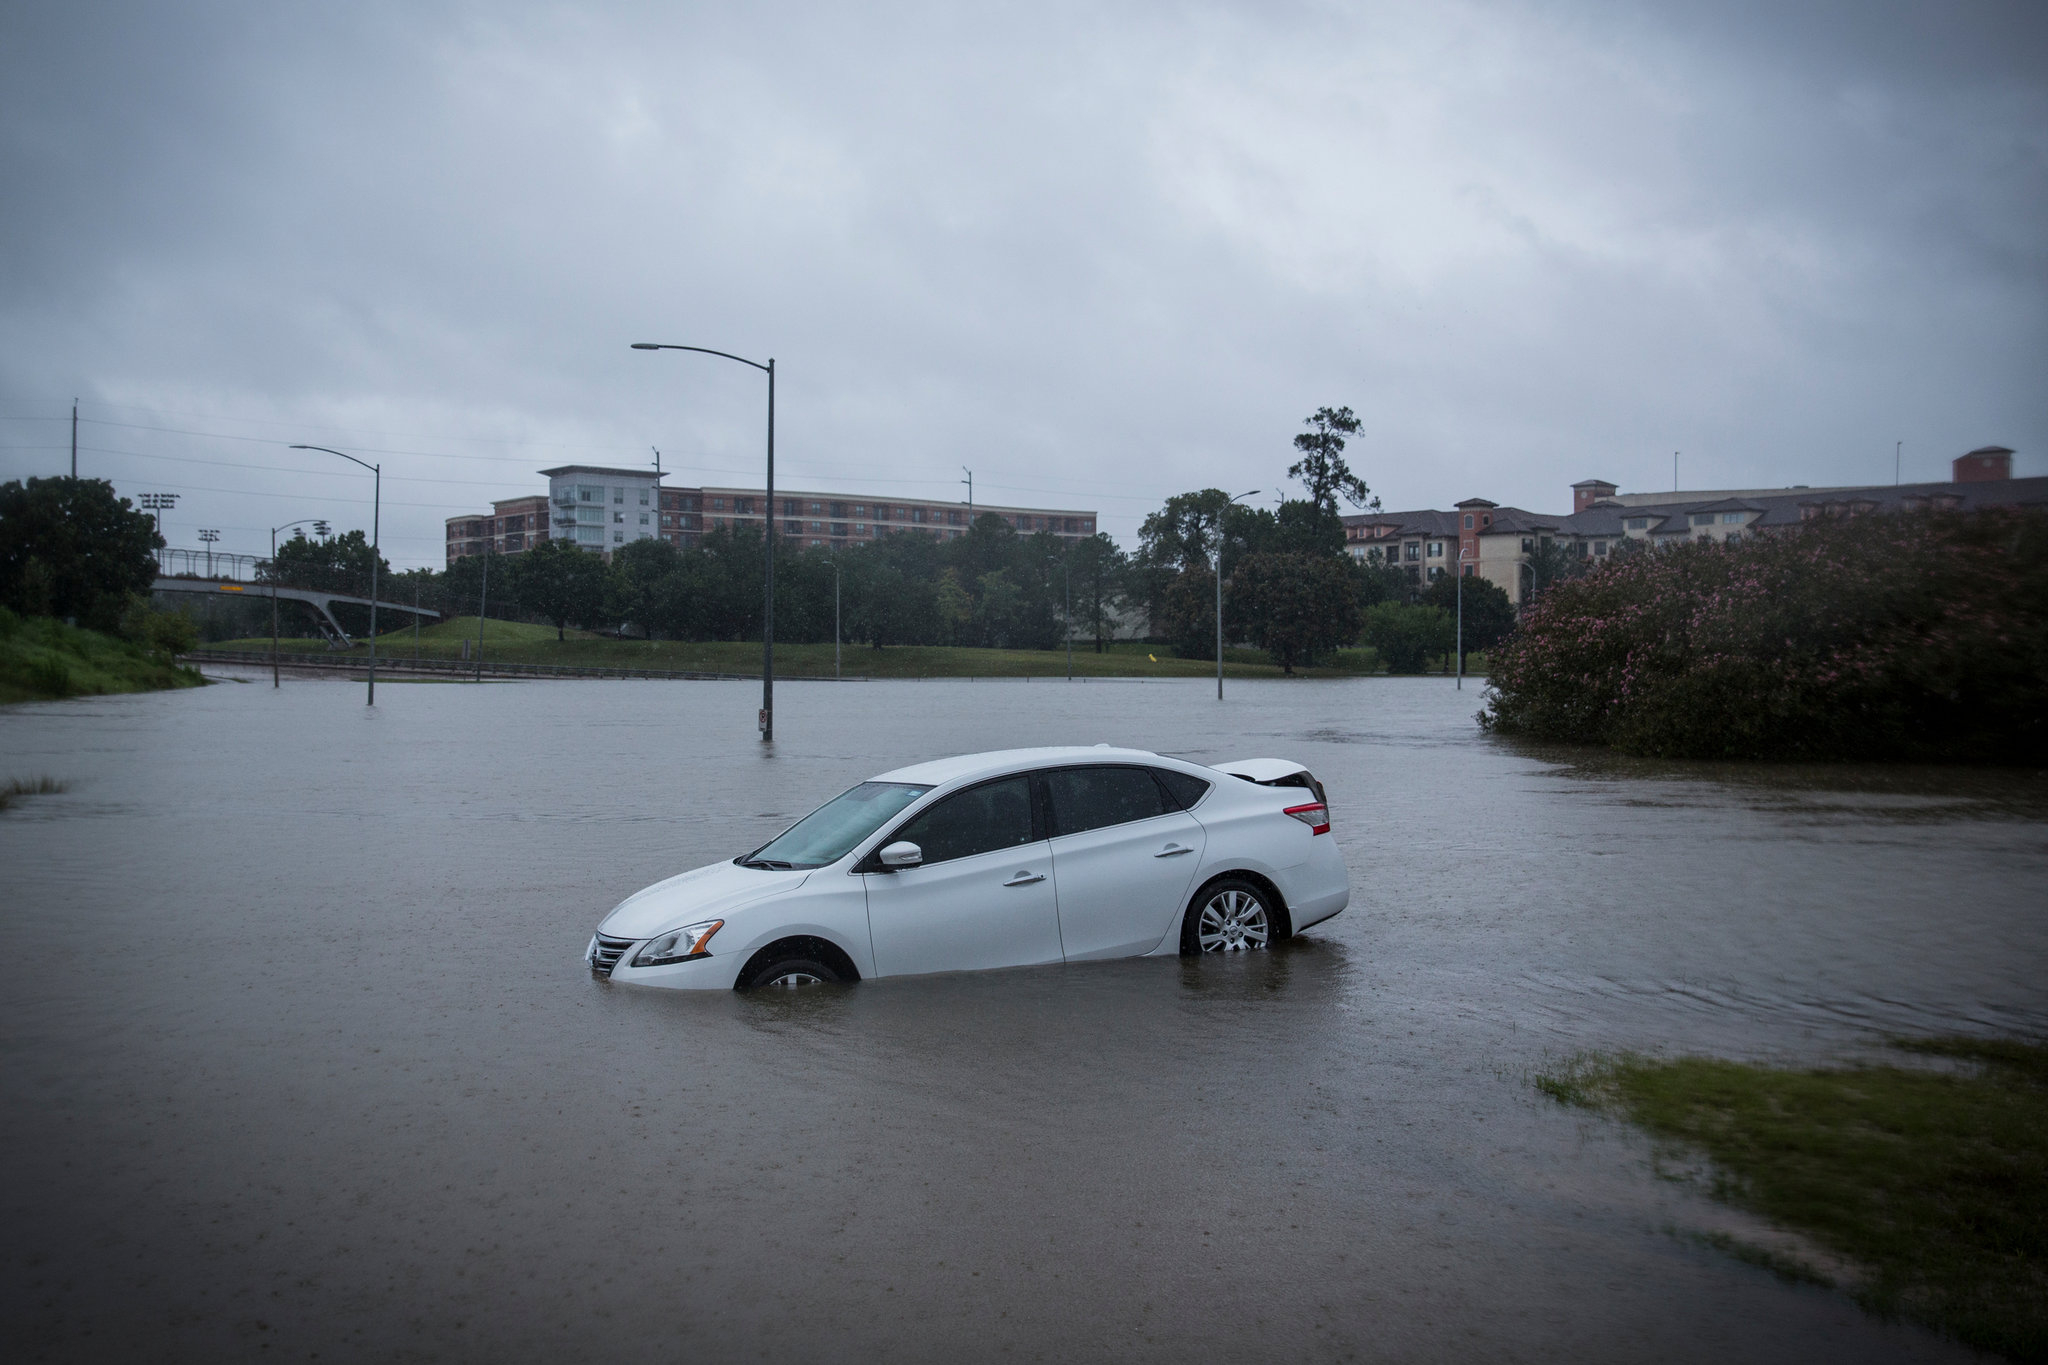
(1497, 543)
(601, 509)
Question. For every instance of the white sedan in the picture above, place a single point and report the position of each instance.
(996, 860)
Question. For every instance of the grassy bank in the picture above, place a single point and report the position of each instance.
(517, 642)
(1934, 1182)
(42, 659)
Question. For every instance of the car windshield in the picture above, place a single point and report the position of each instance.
(830, 832)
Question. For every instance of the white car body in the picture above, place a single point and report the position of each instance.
(1121, 890)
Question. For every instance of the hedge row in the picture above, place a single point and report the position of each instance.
(1917, 636)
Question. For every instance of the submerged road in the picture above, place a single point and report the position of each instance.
(300, 1057)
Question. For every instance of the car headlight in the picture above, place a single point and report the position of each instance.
(678, 945)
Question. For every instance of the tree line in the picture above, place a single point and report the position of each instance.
(1289, 586)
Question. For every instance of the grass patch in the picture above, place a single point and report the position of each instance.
(43, 659)
(514, 642)
(1935, 1181)
(19, 787)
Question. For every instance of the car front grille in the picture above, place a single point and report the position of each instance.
(605, 953)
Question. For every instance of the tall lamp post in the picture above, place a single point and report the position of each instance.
(376, 509)
(767, 541)
(1219, 589)
(1463, 552)
(835, 618)
(320, 527)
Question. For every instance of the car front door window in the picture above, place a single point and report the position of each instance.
(982, 895)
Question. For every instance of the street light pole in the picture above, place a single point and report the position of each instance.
(1219, 590)
(1462, 552)
(319, 526)
(483, 602)
(767, 541)
(835, 618)
(1067, 616)
(376, 512)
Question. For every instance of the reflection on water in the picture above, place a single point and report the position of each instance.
(300, 1055)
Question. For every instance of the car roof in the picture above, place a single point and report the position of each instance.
(966, 767)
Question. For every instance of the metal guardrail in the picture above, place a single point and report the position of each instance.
(401, 664)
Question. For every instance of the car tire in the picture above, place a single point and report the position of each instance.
(788, 967)
(1230, 914)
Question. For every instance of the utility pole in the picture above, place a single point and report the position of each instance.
(1674, 471)
(835, 618)
(1067, 618)
(1898, 461)
(483, 602)
(74, 438)
(1219, 590)
(969, 481)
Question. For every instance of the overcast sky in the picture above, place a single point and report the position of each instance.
(1099, 253)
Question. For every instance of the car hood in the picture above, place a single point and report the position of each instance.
(705, 893)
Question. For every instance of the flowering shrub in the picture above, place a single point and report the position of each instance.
(1921, 635)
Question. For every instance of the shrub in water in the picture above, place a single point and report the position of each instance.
(1921, 635)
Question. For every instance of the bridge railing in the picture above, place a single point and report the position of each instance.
(174, 561)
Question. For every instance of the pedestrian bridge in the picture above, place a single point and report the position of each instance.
(321, 602)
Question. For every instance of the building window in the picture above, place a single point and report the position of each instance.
(839, 529)
(1599, 548)
(1703, 518)
(1468, 573)
(917, 514)
(643, 518)
(1528, 546)
(1468, 526)
(589, 492)
(589, 535)
(1638, 523)
(1413, 551)
(838, 509)
(618, 495)
(618, 537)
(1731, 518)
(744, 506)
(619, 517)
(792, 508)
(1436, 550)
(793, 528)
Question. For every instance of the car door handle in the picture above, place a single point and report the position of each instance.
(1173, 851)
(1025, 879)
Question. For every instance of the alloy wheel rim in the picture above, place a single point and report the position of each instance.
(1232, 922)
(792, 980)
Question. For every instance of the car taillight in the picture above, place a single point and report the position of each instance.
(1315, 815)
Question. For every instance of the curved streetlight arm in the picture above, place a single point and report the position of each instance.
(376, 515)
(700, 350)
(373, 468)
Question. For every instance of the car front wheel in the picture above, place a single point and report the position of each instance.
(1230, 915)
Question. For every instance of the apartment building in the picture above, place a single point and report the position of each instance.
(601, 508)
(1486, 540)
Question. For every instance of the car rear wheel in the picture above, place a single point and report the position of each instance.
(1230, 915)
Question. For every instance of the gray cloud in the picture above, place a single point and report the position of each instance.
(1101, 255)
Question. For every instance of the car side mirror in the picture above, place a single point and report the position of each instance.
(902, 853)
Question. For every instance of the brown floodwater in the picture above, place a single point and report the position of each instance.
(300, 1058)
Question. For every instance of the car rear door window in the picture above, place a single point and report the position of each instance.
(1092, 798)
(979, 820)
(1185, 788)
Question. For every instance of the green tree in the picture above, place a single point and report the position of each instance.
(1321, 468)
(1489, 615)
(636, 572)
(561, 583)
(1548, 565)
(1096, 570)
(1186, 617)
(328, 564)
(1406, 635)
(69, 547)
(1294, 606)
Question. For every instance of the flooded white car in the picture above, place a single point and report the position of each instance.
(1005, 859)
